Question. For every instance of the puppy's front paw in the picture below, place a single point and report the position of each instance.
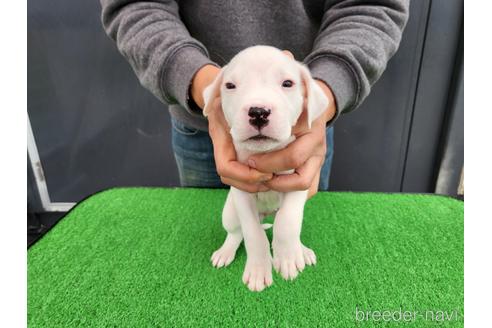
(223, 256)
(258, 273)
(290, 258)
(309, 256)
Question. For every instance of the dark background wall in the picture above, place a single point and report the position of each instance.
(96, 127)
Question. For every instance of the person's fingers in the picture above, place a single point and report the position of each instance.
(288, 53)
(314, 186)
(291, 157)
(237, 171)
(227, 165)
(301, 179)
(248, 187)
(301, 125)
(216, 121)
(223, 147)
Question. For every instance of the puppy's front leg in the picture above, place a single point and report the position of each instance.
(289, 254)
(258, 270)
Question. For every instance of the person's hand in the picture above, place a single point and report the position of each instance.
(202, 79)
(305, 155)
(231, 171)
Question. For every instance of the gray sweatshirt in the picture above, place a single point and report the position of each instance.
(345, 43)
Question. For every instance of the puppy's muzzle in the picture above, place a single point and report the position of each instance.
(258, 117)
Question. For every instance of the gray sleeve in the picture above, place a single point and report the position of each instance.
(152, 37)
(354, 44)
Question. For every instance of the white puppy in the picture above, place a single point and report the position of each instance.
(263, 93)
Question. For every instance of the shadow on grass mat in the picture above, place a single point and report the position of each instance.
(139, 257)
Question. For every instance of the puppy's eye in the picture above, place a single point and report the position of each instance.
(230, 85)
(287, 84)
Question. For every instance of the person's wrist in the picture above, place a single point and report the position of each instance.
(203, 78)
(332, 108)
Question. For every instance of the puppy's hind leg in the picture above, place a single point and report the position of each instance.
(226, 253)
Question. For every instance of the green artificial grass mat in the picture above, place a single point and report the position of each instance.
(139, 257)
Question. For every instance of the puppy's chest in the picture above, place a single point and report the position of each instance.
(268, 202)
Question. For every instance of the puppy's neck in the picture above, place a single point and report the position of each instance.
(244, 153)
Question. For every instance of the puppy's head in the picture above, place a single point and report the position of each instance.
(263, 93)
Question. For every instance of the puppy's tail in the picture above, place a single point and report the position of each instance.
(266, 226)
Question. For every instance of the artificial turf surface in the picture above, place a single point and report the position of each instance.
(139, 257)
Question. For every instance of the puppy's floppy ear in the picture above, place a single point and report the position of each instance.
(316, 100)
(212, 92)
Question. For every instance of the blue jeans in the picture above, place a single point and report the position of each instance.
(194, 155)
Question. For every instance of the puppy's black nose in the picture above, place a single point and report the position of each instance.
(259, 116)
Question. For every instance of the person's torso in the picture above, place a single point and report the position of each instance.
(227, 27)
